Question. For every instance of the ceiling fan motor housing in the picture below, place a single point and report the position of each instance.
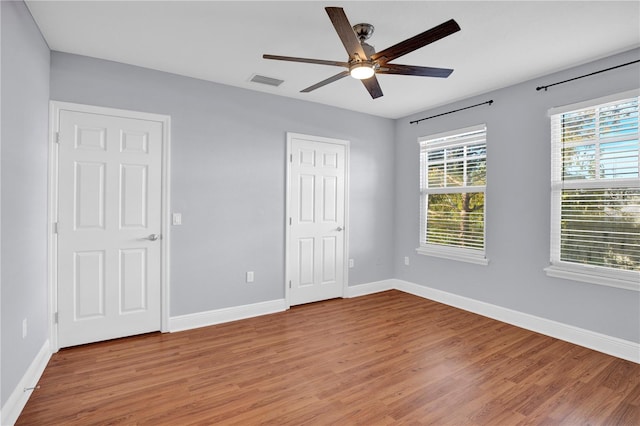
(363, 31)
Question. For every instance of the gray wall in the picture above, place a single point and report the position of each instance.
(25, 95)
(228, 177)
(518, 205)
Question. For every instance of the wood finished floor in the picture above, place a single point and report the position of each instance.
(386, 358)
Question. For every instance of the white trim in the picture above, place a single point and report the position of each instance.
(449, 133)
(218, 316)
(287, 219)
(347, 223)
(454, 190)
(52, 218)
(19, 397)
(593, 102)
(55, 107)
(287, 261)
(454, 253)
(369, 288)
(614, 346)
(116, 112)
(165, 259)
(559, 185)
(591, 275)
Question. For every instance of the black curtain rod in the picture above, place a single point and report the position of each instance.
(586, 75)
(451, 112)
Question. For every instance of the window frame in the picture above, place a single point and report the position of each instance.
(557, 268)
(475, 256)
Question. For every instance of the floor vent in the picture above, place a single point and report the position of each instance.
(256, 78)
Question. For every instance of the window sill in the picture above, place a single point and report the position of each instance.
(600, 276)
(459, 254)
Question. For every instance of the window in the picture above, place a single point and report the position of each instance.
(453, 168)
(595, 192)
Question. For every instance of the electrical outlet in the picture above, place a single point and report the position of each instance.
(250, 276)
(24, 328)
(352, 263)
(406, 260)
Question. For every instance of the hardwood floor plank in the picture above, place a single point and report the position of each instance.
(385, 359)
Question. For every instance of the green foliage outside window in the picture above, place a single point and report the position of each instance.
(456, 219)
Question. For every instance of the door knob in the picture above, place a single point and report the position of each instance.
(340, 228)
(153, 237)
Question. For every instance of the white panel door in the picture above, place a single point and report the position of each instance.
(109, 224)
(317, 219)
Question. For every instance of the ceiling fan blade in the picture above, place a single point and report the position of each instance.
(414, 70)
(416, 42)
(325, 82)
(345, 32)
(306, 60)
(373, 87)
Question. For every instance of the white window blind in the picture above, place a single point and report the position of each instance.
(452, 187)
(595, 185)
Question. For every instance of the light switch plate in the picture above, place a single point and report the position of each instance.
(177, 219)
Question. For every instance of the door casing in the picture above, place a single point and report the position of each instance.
(288, 260)
(55, 107)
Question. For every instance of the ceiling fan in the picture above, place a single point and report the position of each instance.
(364, 63)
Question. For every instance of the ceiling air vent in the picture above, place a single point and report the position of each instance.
(256, 78)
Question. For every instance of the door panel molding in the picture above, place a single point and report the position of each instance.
(328, 161)
(131, 142)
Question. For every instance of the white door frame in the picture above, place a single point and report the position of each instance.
(55, 107)
(287, 248)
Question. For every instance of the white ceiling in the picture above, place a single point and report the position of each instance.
(501, 42)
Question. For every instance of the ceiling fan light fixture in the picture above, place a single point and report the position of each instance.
(362, 70)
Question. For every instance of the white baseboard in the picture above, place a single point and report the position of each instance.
(19, 397)
(614, 346)
(617, 347)
(218, 316)
(369, 288)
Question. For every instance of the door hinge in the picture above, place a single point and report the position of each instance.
(289, 221)
(291, 158)
(57, 137)
(55, 227)
(289, 283)
(55, 318)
